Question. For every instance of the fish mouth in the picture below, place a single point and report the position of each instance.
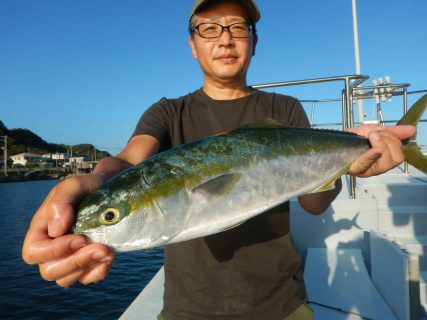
(76, 230)
(94, 236)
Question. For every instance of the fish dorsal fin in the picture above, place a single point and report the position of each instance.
(263, 123)
(216, 188)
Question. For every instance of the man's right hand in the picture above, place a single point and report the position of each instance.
(66, 258)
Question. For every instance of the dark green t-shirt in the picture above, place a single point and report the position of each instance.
(252, 271)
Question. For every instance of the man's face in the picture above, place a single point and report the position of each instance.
(224, 59)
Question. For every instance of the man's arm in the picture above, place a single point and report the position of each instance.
(67, 258)
(385, 154)
(317, 203)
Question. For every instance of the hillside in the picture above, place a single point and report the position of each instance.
(24, 140)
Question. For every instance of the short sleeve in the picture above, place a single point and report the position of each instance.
(296, 114)
(289, 111)
(156, 123)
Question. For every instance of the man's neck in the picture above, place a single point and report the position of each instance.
(226, 91)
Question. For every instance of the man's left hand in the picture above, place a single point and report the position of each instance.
(385, 153)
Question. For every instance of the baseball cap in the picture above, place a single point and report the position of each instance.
(249, 6)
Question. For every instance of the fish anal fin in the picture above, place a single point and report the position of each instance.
(330, 185)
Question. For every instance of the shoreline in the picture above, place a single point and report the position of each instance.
(5, 179)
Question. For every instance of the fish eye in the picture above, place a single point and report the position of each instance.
(110, 216)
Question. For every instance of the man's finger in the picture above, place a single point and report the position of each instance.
(67, 195)
(401, 132)
(96, 273)
(82, 259)
(70, 279)
(364, 162)
(92, 274)
(45, 249)
(392, 149)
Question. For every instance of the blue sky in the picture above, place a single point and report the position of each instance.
(83, 71)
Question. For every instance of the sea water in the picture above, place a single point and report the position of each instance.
(25, 295)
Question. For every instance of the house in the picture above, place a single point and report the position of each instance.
(77, 160)
(25, 158)
(57, 156)
(56, 159)
(81, 165)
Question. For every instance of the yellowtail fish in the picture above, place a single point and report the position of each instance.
(218, 182)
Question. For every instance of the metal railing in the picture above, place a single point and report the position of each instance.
(351, 93)
(350, 82)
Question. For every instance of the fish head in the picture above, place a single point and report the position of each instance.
(117, 217)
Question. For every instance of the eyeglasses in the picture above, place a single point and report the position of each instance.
(212, 30)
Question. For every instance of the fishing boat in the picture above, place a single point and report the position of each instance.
(368, 256)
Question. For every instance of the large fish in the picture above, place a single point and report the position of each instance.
(218, 182)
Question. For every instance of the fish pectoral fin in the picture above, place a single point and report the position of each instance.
(217, 187)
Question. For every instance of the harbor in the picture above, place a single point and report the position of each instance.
(43, 173)
(28, 166)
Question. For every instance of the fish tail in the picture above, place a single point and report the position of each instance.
(410, 148)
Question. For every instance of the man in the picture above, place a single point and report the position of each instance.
(250, 272)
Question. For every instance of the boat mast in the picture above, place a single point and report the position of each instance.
(357, 58)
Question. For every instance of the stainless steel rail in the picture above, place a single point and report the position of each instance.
(350, 83)
(331, 124)
(357, 79)
(350, 92)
